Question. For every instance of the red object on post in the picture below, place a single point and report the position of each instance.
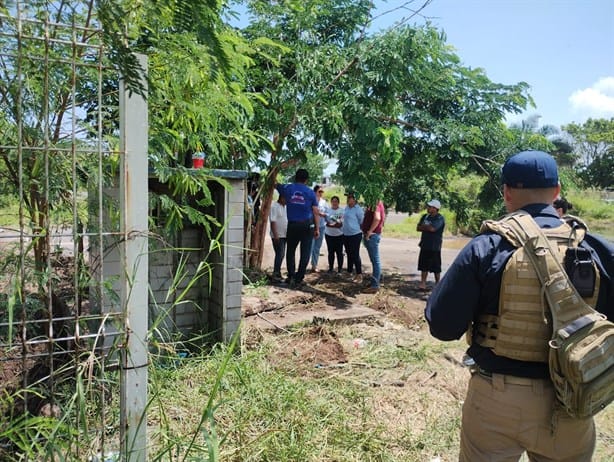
(198, 162)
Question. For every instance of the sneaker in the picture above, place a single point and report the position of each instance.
(330, 271)
(357, 278)
(370, 290)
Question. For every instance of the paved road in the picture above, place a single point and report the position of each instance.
(397, 255)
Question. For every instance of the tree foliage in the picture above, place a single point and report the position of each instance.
(196, 91)
(40, 122)
(195, 95)
(308, 48)
(398, 109)
(593, 143)
(418, 112)
(196, 98)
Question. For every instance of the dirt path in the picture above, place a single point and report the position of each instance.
(329, 328)
(337, 298)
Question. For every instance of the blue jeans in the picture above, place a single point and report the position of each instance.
(316, 245)
(372, 245)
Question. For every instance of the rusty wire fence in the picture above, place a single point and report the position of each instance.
(72, 350)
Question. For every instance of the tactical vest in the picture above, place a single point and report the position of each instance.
(523, 326)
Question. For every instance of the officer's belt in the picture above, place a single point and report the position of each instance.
(511, 379)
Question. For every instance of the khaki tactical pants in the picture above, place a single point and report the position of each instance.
(504, 416)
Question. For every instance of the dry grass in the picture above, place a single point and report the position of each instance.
(411, 386)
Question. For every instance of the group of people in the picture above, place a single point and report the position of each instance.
(302, 218)
(511, 405)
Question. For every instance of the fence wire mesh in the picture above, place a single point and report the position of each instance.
(61, 321)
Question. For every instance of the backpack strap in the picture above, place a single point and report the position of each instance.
(575, 222)
(564, 302)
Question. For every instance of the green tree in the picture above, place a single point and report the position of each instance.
(197, 68)
(195, 94)
(601, 171)
(398, 109)
(310, 47)
(593, 143)
(501, 144)
(196, 97)
(417, 114)
(197, 102)
(37, 112)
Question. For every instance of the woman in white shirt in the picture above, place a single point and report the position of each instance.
(334, 235)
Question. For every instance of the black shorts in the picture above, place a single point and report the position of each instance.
(429, 261)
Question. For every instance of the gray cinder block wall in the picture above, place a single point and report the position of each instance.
(179, 305)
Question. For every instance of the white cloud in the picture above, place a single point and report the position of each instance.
(595, 101)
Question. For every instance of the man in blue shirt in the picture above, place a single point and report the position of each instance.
(303, 224)
(511, 405)
(431, 225)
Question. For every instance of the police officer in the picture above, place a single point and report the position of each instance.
(303, 224)
(510, 406)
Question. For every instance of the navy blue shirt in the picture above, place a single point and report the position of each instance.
(471, 287)
(432, 240)
(300, 200)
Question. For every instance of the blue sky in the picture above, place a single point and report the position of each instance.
(564, 49)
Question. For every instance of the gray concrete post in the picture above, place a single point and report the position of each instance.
(135, 270)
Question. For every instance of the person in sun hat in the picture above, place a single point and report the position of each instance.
(431, 225)
(511, 407)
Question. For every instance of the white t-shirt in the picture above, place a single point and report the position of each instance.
(334, 216)
(278, 215)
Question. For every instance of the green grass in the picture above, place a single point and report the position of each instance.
(588, 205)
(273, 404)
(407, 228)
(597, 213)
(287, 410)
(270, 403)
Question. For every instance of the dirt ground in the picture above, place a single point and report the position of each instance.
(334, 300)
(328, 326)
(336, 297)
